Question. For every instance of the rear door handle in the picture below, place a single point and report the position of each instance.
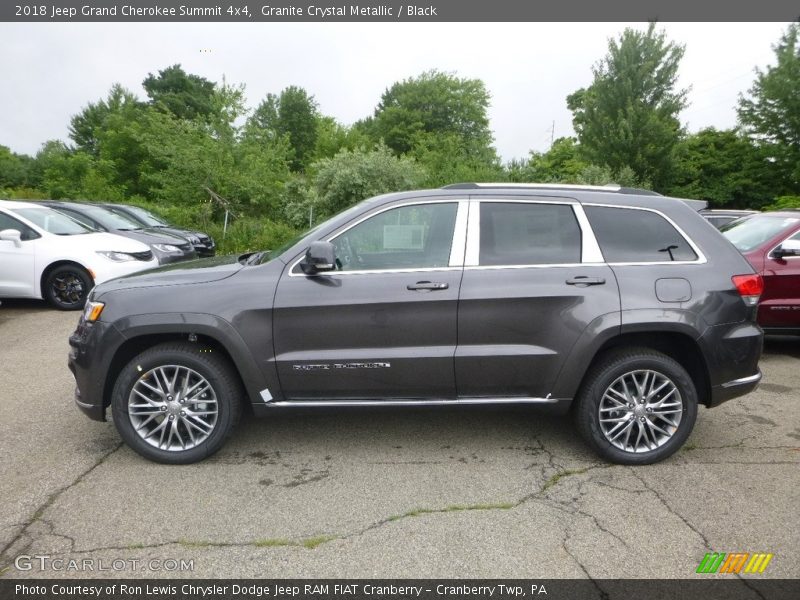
(427, 285)
(584, 281)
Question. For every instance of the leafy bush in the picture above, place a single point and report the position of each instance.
(784, 202)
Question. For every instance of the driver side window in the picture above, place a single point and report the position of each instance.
(408, 237)
(26, 233)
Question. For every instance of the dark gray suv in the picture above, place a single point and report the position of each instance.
(628, 309)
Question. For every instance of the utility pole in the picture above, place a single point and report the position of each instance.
(552, 133)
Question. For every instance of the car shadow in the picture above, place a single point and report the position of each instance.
(782, 344)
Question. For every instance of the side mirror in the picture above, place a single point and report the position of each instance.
(11, 235)
(787, 248)
(320, 257)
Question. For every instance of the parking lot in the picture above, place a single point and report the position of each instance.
(425, 493)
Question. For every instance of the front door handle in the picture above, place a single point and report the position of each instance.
(583, 281)
(427, 285)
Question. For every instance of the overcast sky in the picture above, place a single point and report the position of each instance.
(49, 71)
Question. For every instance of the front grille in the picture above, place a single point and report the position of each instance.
(145, 256)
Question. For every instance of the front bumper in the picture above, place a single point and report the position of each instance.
(90, 365)
(165, 258)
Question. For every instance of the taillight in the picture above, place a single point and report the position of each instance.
(750, 287)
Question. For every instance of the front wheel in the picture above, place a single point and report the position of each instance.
(177, 402)
(67, 287)
(636, 407)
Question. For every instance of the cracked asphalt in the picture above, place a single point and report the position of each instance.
(389, 494)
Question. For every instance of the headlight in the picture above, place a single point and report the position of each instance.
(92, 310)
(116, 256)
(169, 248)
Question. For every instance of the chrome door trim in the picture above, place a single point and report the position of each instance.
(462, 204)
(701, 258)
(410, 402)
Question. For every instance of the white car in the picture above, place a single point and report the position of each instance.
(46, 254)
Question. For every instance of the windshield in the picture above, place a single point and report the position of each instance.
(52, 221)
(145, 216)
(747, 234)
(107, 218)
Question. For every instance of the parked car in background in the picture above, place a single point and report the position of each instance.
(203, 243)
(719, 217)
(166, 247)
(624, 306)
(771, 242)
(46, 254)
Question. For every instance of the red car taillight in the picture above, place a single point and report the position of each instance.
(750, 287)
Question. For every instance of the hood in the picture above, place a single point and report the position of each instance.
(108, 242)
(178, 231)
(152, 236)
(204, 270)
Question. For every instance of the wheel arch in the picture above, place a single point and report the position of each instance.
(218, 335)
(56, 264)
(678, 345)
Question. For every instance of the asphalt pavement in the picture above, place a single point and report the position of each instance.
(389, 494)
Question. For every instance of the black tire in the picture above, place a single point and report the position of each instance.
(206, 363)
(67, 287)
(607, 372)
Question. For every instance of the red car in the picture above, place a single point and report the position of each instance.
(771, 242)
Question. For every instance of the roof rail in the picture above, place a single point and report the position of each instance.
(612, 187)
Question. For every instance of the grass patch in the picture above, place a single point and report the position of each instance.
(689, 447)
(560, 475)
(312, 543)
(273, 543)
(416, 512)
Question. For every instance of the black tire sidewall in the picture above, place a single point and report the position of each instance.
(610, 370)
(194, 356)
(78, 271)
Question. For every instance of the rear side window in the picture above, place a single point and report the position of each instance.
(528, 234)
(629, 235)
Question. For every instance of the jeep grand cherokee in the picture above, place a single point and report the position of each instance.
(624, 307)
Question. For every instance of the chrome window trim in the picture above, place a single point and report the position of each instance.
(458, 245)
(769, 254)
(700, 260)
(536, 266)
(472, 251)
(462, 204)
(590, 249)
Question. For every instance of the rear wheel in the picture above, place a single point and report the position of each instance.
(636, 407)
(67, 287)
(177, 402)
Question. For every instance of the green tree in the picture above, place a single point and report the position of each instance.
(725, 168)
(445, 159)
(16, 170)
(75, 174)
(192, 157)
(771, 111)
(562, 163)
(85, 127)
(184, 95)
(628, 116)
(294, 114)
(433, 104)
(353, 175)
